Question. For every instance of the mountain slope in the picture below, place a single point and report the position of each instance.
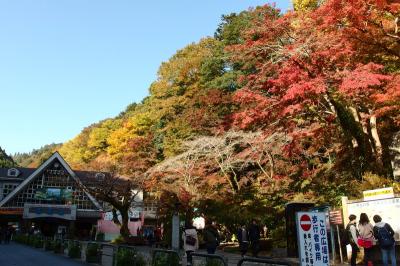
(5, 160)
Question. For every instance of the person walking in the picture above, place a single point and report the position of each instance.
(384, 233)
(254, 237)
(243, 237)
(366, 239)
(211, 237)
(190, 241)
(351, 238)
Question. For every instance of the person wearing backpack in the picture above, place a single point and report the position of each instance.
(366, 238)
(190, 241)
(351, 237)
(243, 238)
(385, 235)
(211, 237)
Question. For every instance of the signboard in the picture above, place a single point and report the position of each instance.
(133, 212)
(50, 194)
(66, 212)
(382, 193)
(312, 238)
(335, 217)
(388, 209)
(11, 211)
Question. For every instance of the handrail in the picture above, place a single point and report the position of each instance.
(212, 256)
(268, 261)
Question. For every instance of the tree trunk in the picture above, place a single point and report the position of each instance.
(395, 156)
(376, 139)
(124, 229)
(354, 131)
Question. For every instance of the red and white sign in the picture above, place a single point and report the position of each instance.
(335, 217)
(312, 238)
(305, 222)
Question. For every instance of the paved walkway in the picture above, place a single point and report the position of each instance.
(20, 255)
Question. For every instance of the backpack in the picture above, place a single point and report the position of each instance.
(347, 237)
(190, 240)
(386, 240)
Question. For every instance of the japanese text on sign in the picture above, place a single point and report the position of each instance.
(312, 239)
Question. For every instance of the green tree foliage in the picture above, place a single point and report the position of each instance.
(6, 161)
(37, 156)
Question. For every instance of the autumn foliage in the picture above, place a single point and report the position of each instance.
(276, 107)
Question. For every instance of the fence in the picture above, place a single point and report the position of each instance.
(261, 261)
(202, 259)
(121, 255)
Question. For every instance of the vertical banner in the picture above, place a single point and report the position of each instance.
(312, 239)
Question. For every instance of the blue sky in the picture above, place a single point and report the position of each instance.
(66, 64)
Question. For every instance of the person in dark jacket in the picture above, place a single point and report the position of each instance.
(351, 230)
(254, 237)
(243, 237)
(211, 237)
(384, 233)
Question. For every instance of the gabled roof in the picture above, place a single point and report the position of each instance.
(24, 172)
(39, 170)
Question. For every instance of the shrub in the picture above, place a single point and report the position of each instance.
(58, 246)
(48, 245)
(128, 257)
(118, 240)
(31, 240)
(74, 250)
(38, 243)
(100, 237)
(92, 253)
(162, 258)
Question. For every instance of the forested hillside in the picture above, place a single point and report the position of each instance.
(35, 157)
(5, 160)
(302, 106)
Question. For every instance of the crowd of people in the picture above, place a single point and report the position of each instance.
(365, 235)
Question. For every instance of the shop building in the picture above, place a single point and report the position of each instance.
(49, 198)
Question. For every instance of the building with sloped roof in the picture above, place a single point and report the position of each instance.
(49, 198)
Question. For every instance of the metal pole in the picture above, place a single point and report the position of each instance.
(340, 244)
(332, 236)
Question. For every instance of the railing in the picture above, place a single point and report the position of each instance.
(114, 255)
(107, 255)
(210, 259)
(262, 261)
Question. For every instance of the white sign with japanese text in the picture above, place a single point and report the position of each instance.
(312, 238)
